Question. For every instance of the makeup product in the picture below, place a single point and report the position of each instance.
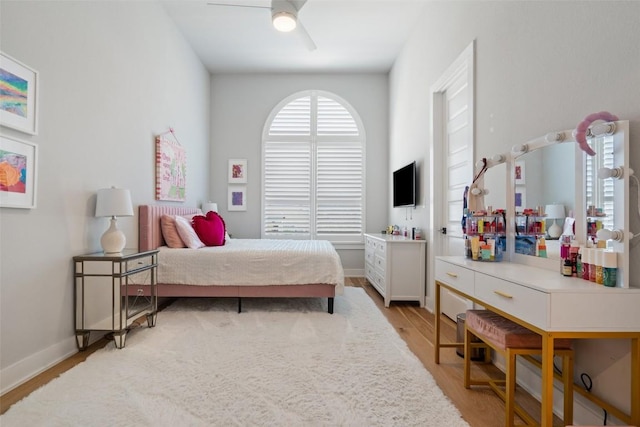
(567, 268)
(586, 262)
(475, 247)
(598, 263)
(609, 268)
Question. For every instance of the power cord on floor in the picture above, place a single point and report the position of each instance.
(587, 387)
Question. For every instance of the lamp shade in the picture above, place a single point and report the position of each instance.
(209, 207)
(554, 211)
(114, 202)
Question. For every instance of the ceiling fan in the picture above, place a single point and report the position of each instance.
(284, 16)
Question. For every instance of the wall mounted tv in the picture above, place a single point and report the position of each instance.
(404, 186)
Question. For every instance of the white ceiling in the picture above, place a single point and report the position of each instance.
(351, 35)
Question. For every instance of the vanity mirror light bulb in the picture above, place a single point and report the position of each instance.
(604, 173)
(477, 191)
(519, 149)
(605, 234)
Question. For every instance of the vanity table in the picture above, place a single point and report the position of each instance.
(550, 304)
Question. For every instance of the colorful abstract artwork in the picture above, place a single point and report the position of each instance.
(13, 93)
(237, 198)
(18, 169)
(13, 172)
(237, 171)
(18, 89)
(171, 169)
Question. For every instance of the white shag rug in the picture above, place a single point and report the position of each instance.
(281, 362)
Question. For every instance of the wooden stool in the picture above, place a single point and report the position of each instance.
(511, 339)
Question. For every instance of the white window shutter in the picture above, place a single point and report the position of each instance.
(313, 171)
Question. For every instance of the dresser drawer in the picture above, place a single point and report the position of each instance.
(378, 283)
(369, 255)
(379, 262)
(370, 243)
(369, 272)
(524, 303)
(381, 248)
(457, 277)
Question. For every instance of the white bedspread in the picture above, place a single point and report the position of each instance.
(253, 262)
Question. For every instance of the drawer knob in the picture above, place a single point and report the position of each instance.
(502, 294)
(454, 275)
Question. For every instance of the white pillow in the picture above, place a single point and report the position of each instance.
(187, 233)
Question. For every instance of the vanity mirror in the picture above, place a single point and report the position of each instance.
(544, 195)
(552, 174)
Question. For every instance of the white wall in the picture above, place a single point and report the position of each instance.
(240, 107)
(540, 67)
(112, 75)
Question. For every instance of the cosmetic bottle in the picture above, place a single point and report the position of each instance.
(609, 268)
(573, 255)
(598, 263)
(586, 262)
(579, 265)
(567, 268)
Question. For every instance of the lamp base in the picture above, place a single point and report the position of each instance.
(113, 240)
(555, 231)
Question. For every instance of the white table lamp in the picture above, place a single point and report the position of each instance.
(209, 206)
(555, 212)
(113, 202)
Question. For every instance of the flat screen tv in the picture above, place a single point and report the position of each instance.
(404, 186)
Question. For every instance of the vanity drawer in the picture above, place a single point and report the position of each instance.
(458, 277)
(524, 303)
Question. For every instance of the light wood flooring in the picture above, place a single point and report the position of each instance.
(480, 407)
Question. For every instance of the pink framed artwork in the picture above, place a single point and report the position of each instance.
(171, 166)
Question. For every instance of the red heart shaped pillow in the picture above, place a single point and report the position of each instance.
(210, 229)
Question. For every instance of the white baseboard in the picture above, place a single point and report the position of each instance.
(354, 272)
(27, 368)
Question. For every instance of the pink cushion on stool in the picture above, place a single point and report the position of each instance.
(504, 333)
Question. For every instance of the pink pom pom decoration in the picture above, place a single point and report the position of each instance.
(581, 129)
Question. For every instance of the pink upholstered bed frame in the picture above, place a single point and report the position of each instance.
(150, 237)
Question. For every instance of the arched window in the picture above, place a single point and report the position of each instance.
(313, 169)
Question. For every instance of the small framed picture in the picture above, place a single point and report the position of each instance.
(238, 171)
(18, 103)
(521, 201)
(237, 198)
(18, 173)
(519, 173)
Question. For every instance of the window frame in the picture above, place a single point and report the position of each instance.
(314, 140)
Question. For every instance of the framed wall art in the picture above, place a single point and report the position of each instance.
(171, 168)
(19, 89)
(237, 171)
(18, 173)
(519, 173)
(237, 198)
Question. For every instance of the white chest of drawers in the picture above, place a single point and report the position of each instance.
(395, 266)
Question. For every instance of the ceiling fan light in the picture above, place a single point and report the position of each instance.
(284, 21)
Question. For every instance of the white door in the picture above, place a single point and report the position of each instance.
(452, 164)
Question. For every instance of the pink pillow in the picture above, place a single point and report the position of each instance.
(187, 233)
(210, 229)
(170, 232)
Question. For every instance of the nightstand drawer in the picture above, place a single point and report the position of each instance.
(459, 278)
(519, 301)
(136, 264)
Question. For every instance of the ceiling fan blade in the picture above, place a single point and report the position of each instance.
(298, 4)
(304, 35)
(238, 5)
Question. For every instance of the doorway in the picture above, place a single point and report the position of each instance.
(452, 154)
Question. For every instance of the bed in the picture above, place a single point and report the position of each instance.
(242, 267)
